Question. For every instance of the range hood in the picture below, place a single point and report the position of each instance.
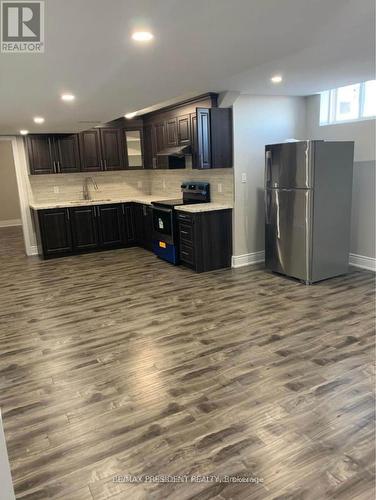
(176, 151)
(174, 157)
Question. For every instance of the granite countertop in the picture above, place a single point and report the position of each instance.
(202, 207)
(144, 199)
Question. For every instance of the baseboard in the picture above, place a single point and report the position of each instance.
(33, 250)
(248, 259)
(256, 257)
(363, 262)
(10, 223)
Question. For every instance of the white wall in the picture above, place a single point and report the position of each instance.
(258, 120)
(10, 213)
(363, 202)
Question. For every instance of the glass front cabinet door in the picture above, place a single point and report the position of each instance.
(133, 144)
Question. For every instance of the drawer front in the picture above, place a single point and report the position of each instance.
(186, 254)
(185, 218)
(186, 232)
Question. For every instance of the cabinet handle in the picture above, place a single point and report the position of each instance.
(95, 212)
(59, 166)
(67, 212)
(202, 159)
(183, 232)
(55, 171)
(98, 212)
(122, 209)
(105, 164)
(154, 162)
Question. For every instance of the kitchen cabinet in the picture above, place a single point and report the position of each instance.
(129, 224)
(134, 150)
(53, 153)
(144, 226)
(102, 149)
(40, 154)
(171, 132)
(148, 133)
(205, 239)
(203, 144)
(184, 130)
(67, 155)
(90, 149)
(84, 228)
(110, 225)
(112, 146)
(54, 231)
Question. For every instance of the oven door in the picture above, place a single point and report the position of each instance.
(163, 224)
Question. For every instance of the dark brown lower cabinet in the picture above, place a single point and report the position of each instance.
(144, 226)
(84, 228)
(205, 239)
(74, 230)
(110, 225)
(53, 230)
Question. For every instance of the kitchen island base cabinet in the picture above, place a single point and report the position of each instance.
(205, 239)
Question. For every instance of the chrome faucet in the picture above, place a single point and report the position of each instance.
(85, 187)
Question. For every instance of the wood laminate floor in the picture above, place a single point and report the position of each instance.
(117, 363)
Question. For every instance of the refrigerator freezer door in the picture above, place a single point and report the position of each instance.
(289, 165)
(288, 232)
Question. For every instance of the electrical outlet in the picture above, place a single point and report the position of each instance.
(56, 189)
(219, 187)
(139, 184)
(244, 177)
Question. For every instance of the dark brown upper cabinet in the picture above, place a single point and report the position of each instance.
(203, 138)
(148, 134)
(134, 149)
(53, 153)
(102, 149)
(40, 153)
(90, 149)
(184, 130)
(112, 149)
(171, 132)
(67, 153)
(213, 147)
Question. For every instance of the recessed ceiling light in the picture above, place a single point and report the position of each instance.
(67, 97)
(142, 36)
(131, 115)
(38, 119)
(276, 79)
(24, 132)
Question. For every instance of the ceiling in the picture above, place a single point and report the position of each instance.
(199, 46)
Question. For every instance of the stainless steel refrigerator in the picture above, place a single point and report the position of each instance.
(308, 187)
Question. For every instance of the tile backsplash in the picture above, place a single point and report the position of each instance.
(68, 187)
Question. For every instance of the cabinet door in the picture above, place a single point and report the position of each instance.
(171, 132)
(110, 225)
(112, 148)
(148, 146)
(67, 153)
(40, 154)
(193, 120)
(160, 136)
(129, 224)
(203, 138)
(148, 226)
(184, 130)
(134, 150)
(55, 231)
(84, 228)
(90, 149)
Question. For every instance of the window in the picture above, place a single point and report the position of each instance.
(353, 102)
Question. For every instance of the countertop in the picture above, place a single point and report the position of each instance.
(144, 199)
(202, 207)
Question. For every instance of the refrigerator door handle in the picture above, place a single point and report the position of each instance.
(268, 196)
(268, 165)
